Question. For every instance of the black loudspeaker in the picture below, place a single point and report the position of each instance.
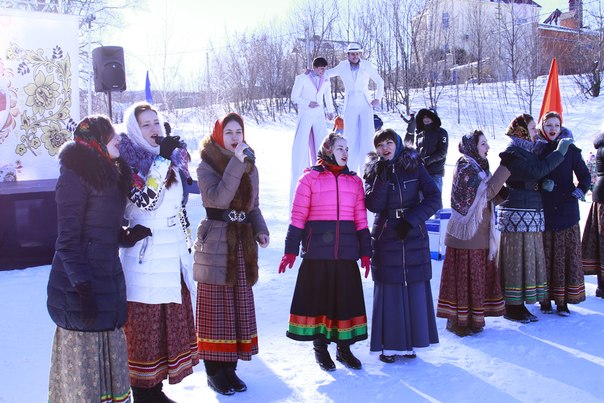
(109, 72)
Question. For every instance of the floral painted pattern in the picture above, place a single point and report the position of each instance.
(8, 103)
(47, 120)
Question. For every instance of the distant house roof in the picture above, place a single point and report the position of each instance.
(529, 2)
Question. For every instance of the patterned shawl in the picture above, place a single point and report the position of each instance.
(469, 195)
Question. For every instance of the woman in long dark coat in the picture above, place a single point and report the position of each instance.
(521, 259)
(592, 244)
(86, 287)
(403, 195)
(562, 239)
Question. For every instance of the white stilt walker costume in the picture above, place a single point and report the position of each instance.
(358, 103)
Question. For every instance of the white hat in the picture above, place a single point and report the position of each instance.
(354, 47)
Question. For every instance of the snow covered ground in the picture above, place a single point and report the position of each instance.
(554, 360)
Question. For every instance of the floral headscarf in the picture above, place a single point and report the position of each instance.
(519, 127)
(325, 155)
(95, 132)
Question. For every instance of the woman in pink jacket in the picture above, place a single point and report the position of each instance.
(329, 218)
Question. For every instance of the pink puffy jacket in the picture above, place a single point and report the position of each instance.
(328, 216)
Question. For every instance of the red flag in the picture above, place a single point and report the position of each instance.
(552, 101)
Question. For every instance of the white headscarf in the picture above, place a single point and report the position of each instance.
(133, 131)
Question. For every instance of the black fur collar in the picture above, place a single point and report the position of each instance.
(409, 160)
(94, 169)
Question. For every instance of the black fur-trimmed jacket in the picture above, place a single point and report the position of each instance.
(404, 191)
(91, 196)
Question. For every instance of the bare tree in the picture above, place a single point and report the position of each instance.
(590, 52)
(479, 37)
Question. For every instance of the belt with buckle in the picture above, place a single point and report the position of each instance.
(226, 215)
(397, 213)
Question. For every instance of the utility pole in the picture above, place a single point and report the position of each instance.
(89, 18)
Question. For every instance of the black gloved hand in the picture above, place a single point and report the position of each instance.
(130, 236)
(381, 169)
(563, 145)
(87, 302)
(506, 159)
(403, 228)
(168, 145)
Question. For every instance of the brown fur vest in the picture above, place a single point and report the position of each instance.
(237, 233)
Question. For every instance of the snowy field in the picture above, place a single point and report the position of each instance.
(554, 360)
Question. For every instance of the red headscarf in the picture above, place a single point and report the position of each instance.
(217, 135)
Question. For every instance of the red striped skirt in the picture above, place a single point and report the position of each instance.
(161, 341)
(226, 319)
(470, 288)
(563, 261)
(592, 244)
(328, 302)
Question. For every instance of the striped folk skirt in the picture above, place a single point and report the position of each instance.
(89, 367)
(564, 271)
(469, 288)
(226, 319)
(328, 303)
(521, 263)
(592, 244)
(161, 341)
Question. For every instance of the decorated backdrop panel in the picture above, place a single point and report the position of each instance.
(39, 101)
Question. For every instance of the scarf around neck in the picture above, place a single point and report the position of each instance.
(468, 201)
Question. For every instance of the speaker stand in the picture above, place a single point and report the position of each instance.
(110, 109)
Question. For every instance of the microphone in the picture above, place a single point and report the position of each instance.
(160, 139)
(249, 154)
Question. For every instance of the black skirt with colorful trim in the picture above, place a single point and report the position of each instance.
(328, 303)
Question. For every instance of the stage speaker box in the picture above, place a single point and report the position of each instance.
(109, 72)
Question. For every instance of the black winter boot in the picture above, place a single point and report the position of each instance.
(237, 384)
(143, 395)
(217, 379)
(159, 396)
(600, 289)
(345, 356)
(322, 355)
(515, 313)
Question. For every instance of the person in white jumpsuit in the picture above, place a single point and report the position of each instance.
(358, 103)
(310, 92)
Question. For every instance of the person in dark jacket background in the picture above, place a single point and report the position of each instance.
(86, 287)
(403, 309)
(562, 239)
(521, 259)
(411, 126)
(432, 144)
(592, 244)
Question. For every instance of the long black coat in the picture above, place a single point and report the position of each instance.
(598, 190)
(91, 199)
(560, 207)
(395, 260)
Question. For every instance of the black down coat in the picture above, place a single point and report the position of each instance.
(598, 190)
(91, 196)
(560, 207)
(399, 193)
